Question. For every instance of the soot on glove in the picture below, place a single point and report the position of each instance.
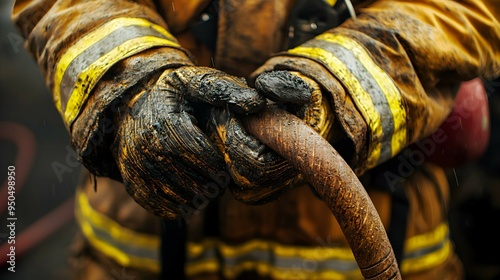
(166, 161)
(261, 174)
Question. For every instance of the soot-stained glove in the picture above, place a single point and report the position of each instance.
(300, 95)
(166, 161)
(261, 174)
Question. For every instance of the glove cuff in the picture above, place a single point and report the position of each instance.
(93, 130)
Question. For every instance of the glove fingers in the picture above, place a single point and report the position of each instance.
(301, 95)
(165, 160)
(196, 158)
(177, 135)
(146, 188)
(283, 86)
(214, 87)
(260, 173)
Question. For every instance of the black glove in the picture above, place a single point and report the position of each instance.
(261, 174)
(165, 160)
(300, 95)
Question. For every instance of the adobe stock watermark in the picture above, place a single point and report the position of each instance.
(11, 218)
(123, 275)
(68, 166)
(30, 23)
(410, 159)
(16, 41)
(212, 190)
(72, 159)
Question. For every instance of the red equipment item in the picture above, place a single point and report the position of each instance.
(464, 135)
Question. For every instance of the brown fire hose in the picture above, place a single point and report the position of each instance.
(335, 182)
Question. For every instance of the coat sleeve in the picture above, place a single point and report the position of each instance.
(93, 54)
(393, 71)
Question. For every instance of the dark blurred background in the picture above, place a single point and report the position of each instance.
(475, 202)
(34, 140)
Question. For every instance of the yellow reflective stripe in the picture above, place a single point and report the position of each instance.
(118, 232)
(195, 249)
(437, 237)
(386, 84)
(93, 38)
(427, 240)
(204, 266)
(331, 2)
(373, 91)
(233, 251)
(266, 269)
(90, 220)
(427, 261)
(316, 253)
(91, 75)
(361, 98)
(431, 249)
(301, 271)
(116, 254)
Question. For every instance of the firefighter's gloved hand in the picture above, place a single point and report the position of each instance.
(260, 173)
(166, 162)
(300, 95)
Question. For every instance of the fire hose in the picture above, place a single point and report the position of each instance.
(336, 184)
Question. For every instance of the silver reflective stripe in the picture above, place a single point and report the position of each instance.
(213, 253)
(95, 51)
(128, 248)
(426, 251)
(268, 256)
(370, 85)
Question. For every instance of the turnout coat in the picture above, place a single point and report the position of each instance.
(391, 74)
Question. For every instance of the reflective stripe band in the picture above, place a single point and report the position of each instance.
(203, 266)
(360, 96)
(386, 84)
(127, 247)
(270, 258)
(95, 51)
(84, 63)
(294, 262)
(372, 90)
(89, 77)
(425, 251)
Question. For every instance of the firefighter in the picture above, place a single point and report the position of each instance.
(152, 95)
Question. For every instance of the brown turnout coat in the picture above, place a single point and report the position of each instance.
(417, 51)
